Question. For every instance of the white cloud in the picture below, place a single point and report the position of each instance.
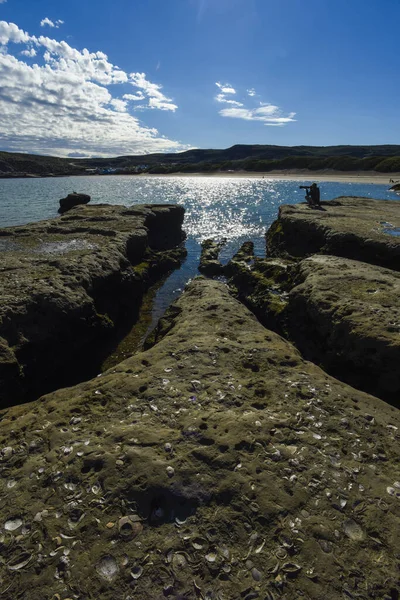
(267, 113)
(134, 97)
(64, 106)
(9, 32)
(153, 92)
(32, 52)
(3, 1)
(54, 24)
(222, 98)
(226, 88)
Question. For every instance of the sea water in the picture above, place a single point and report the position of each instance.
(235, 208)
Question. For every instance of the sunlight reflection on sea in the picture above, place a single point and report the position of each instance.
(235, 208)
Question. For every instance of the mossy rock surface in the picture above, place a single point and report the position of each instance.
(244, 471)
(66, 282)
(351, 227)
(345, 315)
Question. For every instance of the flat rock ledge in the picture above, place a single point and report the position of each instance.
(66, 284)
(351, 227)
(216, 464)
(342, 313)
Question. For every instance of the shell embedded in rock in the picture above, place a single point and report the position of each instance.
(353, 530)
(285, 542)
(291, 569)
(281, 553)
(107, 568)
(199, 543)
(136, 571)
(13, 524)
(129, 528)
(211, 557)
(179, 561)
(20, 562)
(170, 471)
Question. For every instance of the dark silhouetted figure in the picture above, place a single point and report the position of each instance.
(313, 195)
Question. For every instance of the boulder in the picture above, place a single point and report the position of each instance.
(216, 464)
(67, 285)
(72, 200)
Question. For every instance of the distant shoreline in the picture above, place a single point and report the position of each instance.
(368, 177)
(300, 175)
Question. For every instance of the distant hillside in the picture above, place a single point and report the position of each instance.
(384, 158)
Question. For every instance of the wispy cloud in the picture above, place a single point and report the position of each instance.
(266, 113)
(3, 1)
(54, 24)
(152, 91)
(226, 88)
(67, 104)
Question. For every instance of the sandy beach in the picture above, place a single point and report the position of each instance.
(336, 176)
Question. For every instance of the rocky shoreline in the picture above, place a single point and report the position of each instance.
(67, 284)
(218, 463)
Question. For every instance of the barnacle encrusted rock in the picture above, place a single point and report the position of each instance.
(286, 481)
(67, 283)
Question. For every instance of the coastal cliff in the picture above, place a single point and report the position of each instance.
(67, 283)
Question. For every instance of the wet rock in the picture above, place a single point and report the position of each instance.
(70, 284)
(264, 471)
(72, 200)
(209, 263)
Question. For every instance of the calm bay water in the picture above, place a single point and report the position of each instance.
(238, 209)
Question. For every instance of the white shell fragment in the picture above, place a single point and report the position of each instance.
(353, 530)
(107, 568)
(20, 562)
(170, 471)
(12, 524)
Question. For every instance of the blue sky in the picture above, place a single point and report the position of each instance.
(97, 78)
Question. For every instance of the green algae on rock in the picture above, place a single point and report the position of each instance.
(350, 227)
(345, 315)
(217, 464)
(66, 285)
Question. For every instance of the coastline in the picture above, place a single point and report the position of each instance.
(367, 177)
(300, 175)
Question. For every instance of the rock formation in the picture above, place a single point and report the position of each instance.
(67, 283)
(350, 227)
(72, 200)
(342, 313)
(217, 464)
